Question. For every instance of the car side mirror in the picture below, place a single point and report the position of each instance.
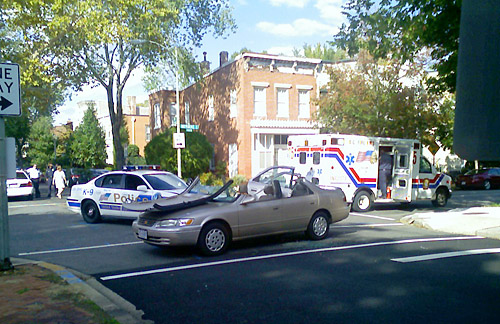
(142, 188)
(247, 199)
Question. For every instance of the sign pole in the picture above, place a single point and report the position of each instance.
(10, 105)
(5, 263)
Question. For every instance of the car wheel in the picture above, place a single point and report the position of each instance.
(214, 239)
(487, 185)
(29, 197)
(318, 226)
(90, 212)
(363, 201)
(441, 198)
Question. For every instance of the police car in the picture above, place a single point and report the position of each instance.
(108, 194)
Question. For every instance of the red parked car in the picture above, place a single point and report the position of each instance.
(480, 179)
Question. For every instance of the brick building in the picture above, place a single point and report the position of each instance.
(247, 108)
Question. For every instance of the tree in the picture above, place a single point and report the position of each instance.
(44, 80)
(325, 52)
(133, 157)
(402, 28)
(384, 98)
(94, 36)
(88, 145)
(195, 157)
(41, 142)
(241, 51)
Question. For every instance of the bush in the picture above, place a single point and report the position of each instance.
(195, 157)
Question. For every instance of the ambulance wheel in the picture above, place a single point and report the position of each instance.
(362, 202)
(441, 198)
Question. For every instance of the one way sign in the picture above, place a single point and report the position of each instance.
(10, 90)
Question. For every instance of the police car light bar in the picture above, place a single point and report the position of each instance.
(141, 167)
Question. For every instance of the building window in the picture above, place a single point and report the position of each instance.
(186, 113)
(211, 111)
(233, 160)
(304, 104)
(280, 139)
(282, 102)
(173, 114)
(259, 101)
(233, 108)
(148, 133)
(157, 114)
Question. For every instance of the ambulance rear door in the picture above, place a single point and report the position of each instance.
(402, 179)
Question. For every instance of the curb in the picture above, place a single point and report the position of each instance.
(110, 302)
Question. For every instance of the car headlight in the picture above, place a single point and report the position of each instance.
(174, 222)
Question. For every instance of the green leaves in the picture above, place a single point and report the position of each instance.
(387, 99)
(195, 157)
(88, 145)
(403, 28)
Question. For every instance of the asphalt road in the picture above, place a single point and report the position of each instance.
(371, 268)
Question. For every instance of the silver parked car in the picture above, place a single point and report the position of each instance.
(211, 221)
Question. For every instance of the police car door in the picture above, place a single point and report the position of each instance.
(110, 196)
(130, 194)
(401, 181)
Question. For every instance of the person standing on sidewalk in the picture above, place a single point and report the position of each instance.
(35, 179)
(49, 173)
(59, 180)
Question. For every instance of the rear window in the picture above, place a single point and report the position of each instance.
(21, 175)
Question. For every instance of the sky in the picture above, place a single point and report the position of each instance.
(275, 26)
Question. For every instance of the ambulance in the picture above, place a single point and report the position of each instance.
(351, 162)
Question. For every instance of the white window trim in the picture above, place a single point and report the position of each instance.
(301, 112)
(264, 112)
(286, 113)
(233, 107)
(304, 87)
(260, 84)
(157, 114)
(211, 109)
(283, 85)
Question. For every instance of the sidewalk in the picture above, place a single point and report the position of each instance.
(39, 292)
(478, 221)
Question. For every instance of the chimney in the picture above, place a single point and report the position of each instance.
(223, 57)
(205, 65)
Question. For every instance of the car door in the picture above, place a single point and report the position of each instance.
(299, 208)
(260, 217)
(129, 193)
(110, 197)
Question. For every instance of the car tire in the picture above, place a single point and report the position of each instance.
(487, 185)
(90, 212)
(362, 202)
(214, 239)
(441, 198)
(29, 197)
(319, 226)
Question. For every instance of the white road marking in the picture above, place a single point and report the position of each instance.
(37, 205)
(366, 225)
(437, 256)
(372, 216)
(286, 254)
(80, 248)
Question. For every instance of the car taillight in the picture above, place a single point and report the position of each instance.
(29, 184)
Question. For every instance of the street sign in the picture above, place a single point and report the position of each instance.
(179, 141)
(10, 90)
(190, 127)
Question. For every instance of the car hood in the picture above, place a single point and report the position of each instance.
(182, 201)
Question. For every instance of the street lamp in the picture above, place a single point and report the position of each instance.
(178, 112)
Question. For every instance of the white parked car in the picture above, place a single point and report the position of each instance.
(108, 194)
(21, 186)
